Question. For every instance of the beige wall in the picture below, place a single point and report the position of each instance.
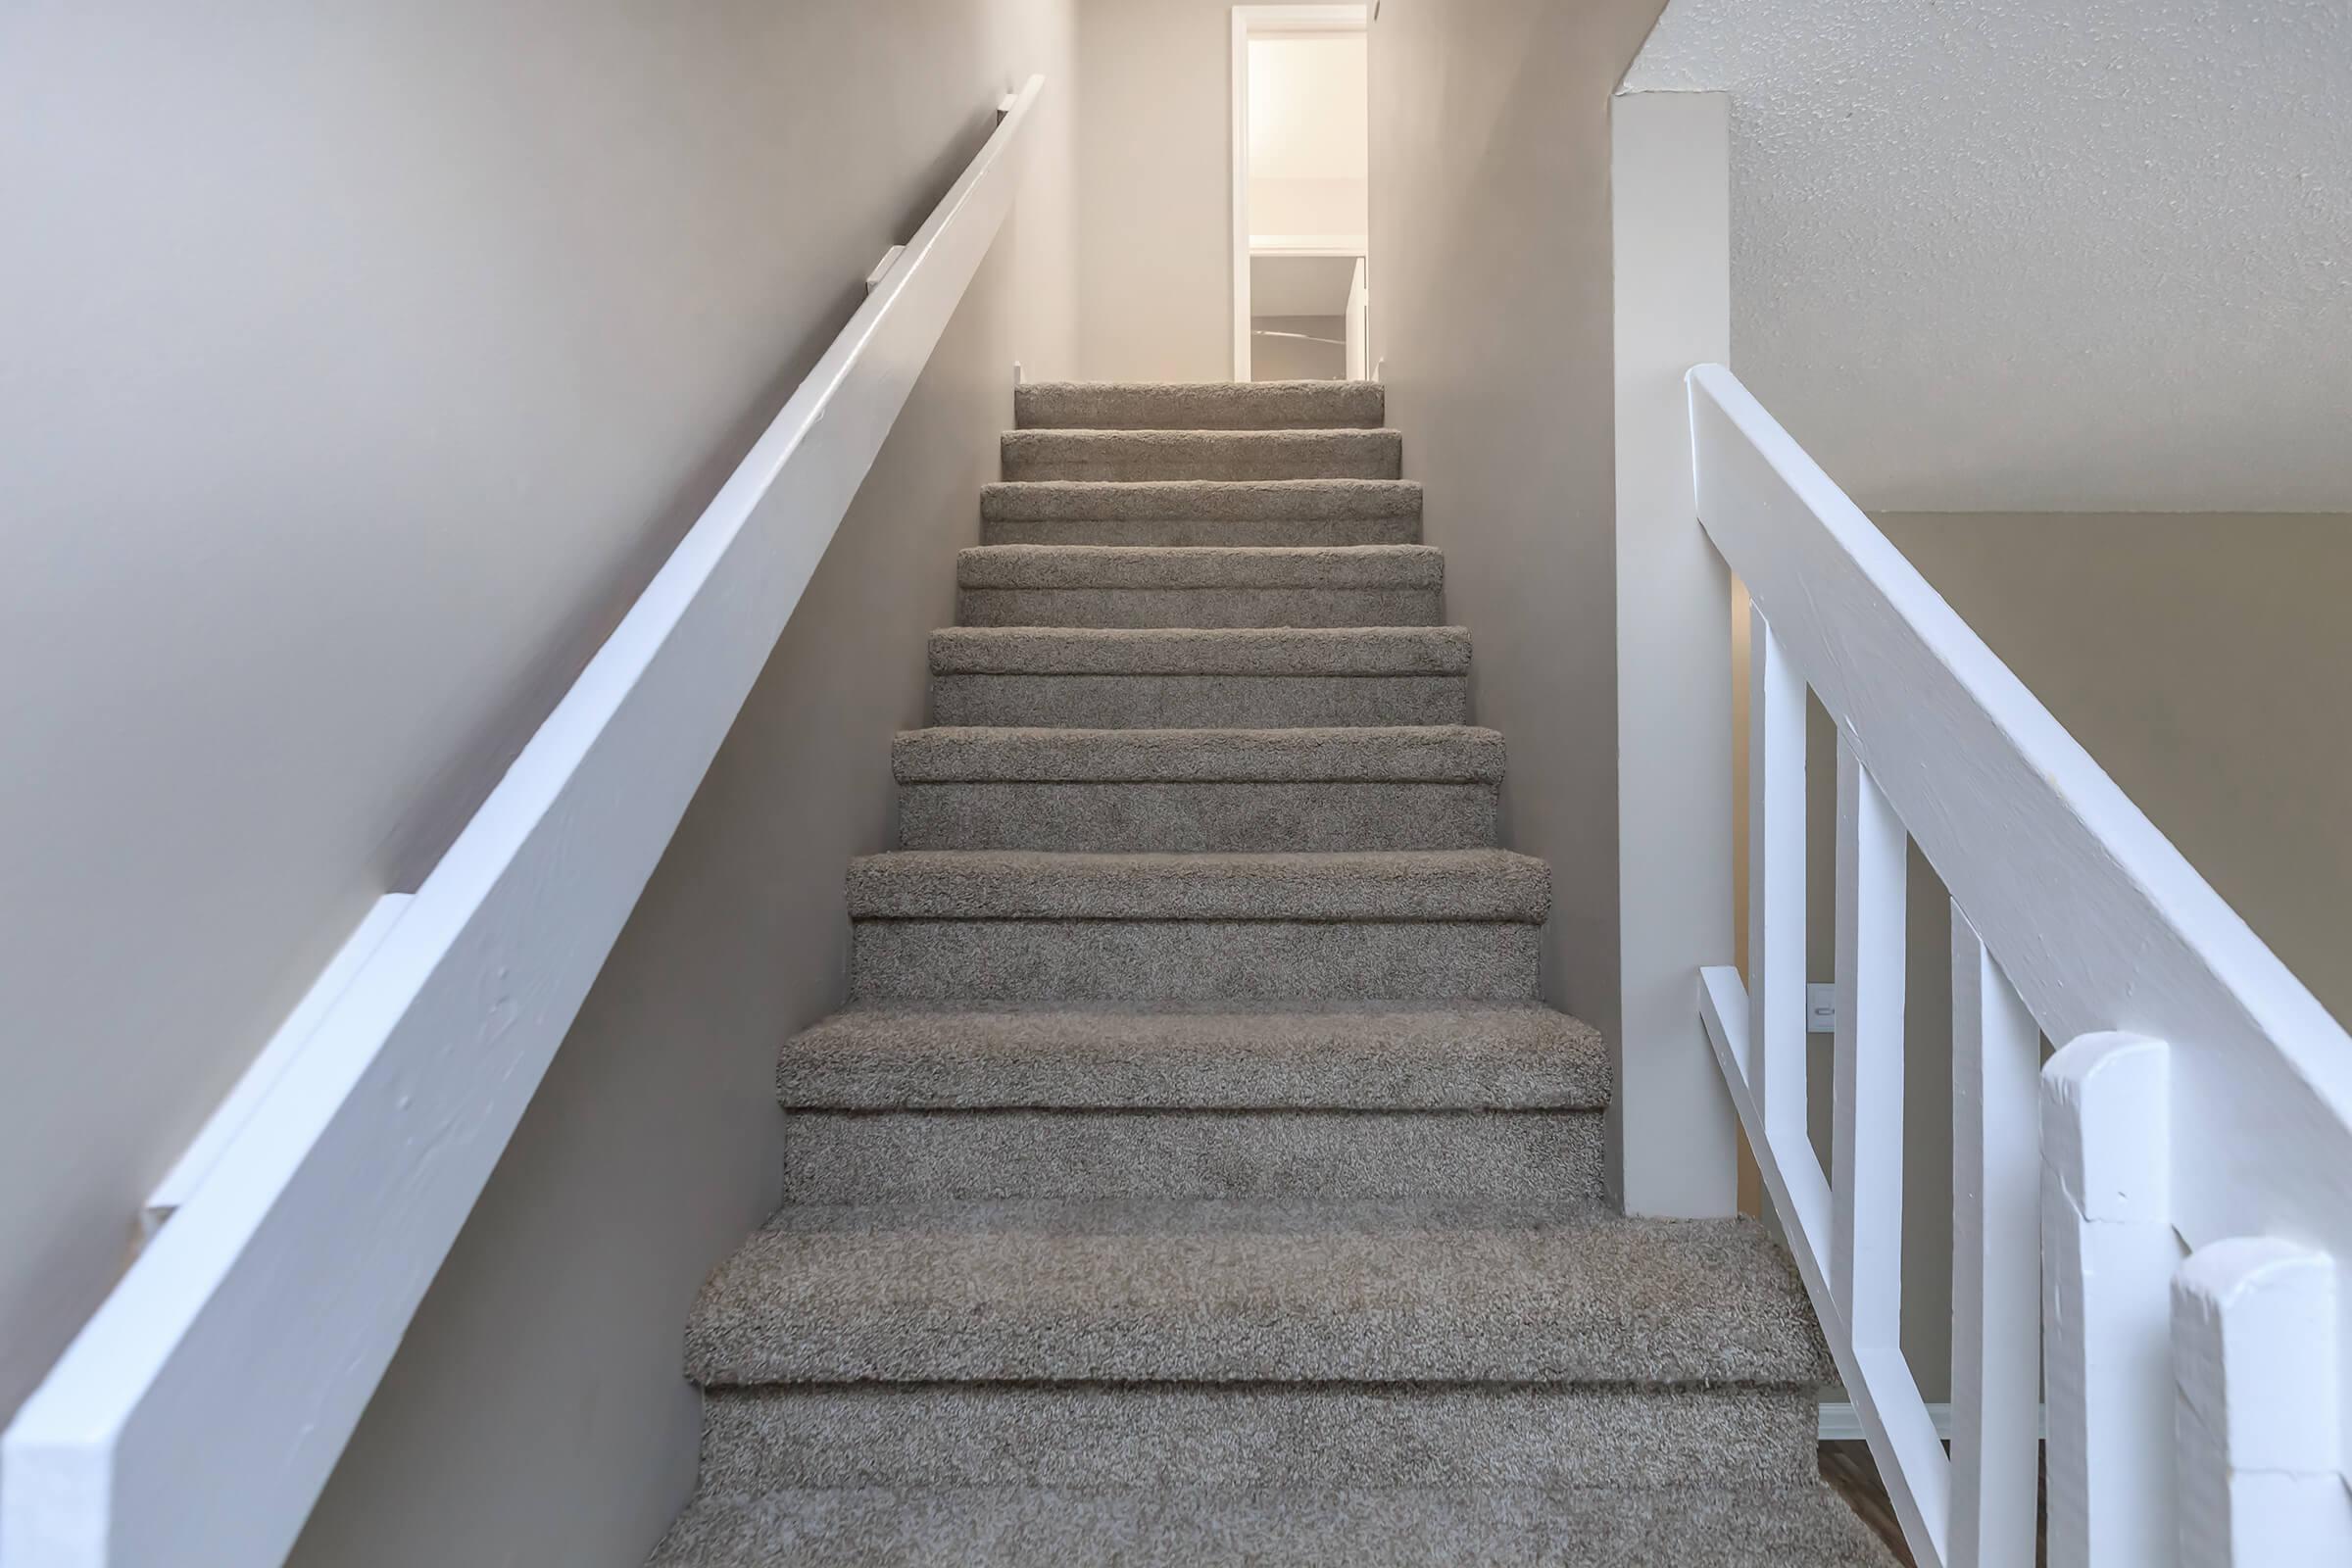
(1156, 190)
(1492, 248)
(2201, 659)
(361, 364)
(1315, 348)
(1309, 134)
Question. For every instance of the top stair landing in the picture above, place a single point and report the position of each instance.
(1209, 406)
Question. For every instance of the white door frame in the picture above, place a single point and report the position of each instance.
(1317, 16)
(1359, 325)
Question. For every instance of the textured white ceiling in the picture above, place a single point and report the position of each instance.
(2041, 255)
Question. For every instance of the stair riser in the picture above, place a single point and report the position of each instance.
(1147, 456)
(1295, 533)
(1304, 406)
(1214, 607)
(1198, 701)
(1192, 960)
(1197, 818)
(1448, 1058)
(1304, 1527)
(1096, 1437)
(1540, 1156)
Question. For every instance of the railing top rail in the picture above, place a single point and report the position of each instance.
(199, 1413)
(2098, 919)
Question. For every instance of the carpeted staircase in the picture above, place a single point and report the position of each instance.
(1197, 1177)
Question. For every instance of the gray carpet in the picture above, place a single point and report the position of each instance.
(1202, 608)
(1174, 678)
(1286, 512)
(1214, 1292)
(1253, 1436)
(1151, 700)
(1101, 586)
(1362, 650)
(1450, 754)
(1197, 406)
(1364, 1056)
(1015, 1152)
(1018, 1527)
(1106, 566)
(1196, 1176)
(1165, 455)
(1192, 960)
(1031, 885)
(1196, 791)
(1199, 819)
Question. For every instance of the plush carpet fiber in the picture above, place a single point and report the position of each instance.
(1364, 1056)
(1799, 1527)
(1163, 455)
(1197, 406)
(1253, 1437)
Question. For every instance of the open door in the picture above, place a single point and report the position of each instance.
(1301, 132)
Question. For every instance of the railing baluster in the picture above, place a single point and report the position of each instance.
(1776, 889)
(2110, 1253)
(1866, 1182)
(2101, 921)
(1996, 1260)
(2254, 1356)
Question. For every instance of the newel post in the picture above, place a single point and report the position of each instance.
(2109, 1253)
(1673, 1132)
(2259, 1437)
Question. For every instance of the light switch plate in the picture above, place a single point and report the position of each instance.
(1821, 1010)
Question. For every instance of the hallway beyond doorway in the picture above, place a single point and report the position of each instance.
(1300, 194)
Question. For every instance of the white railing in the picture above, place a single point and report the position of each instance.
(199, 1413)
(2151, 1225)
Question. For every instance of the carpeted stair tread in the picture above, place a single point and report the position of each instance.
(1163, 454)
(1244, 962)
(1177, 700)
(1235, 651)
(1200, 566)
(1253, 1436)
(1200, 586)
(1696, 1526)
(1391, 885)
(1191, 816)
(1300, 1291)
(1458, 1056)
(935, 1157)
(1445, 754)
(1264, 512)
(1194, 1177)
(1199, 404)
(1201, 500)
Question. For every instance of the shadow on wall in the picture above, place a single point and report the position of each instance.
(1491, 230)
(1300, 348)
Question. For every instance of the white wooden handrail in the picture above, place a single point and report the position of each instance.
(2201, 1103)
(197, 1416)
